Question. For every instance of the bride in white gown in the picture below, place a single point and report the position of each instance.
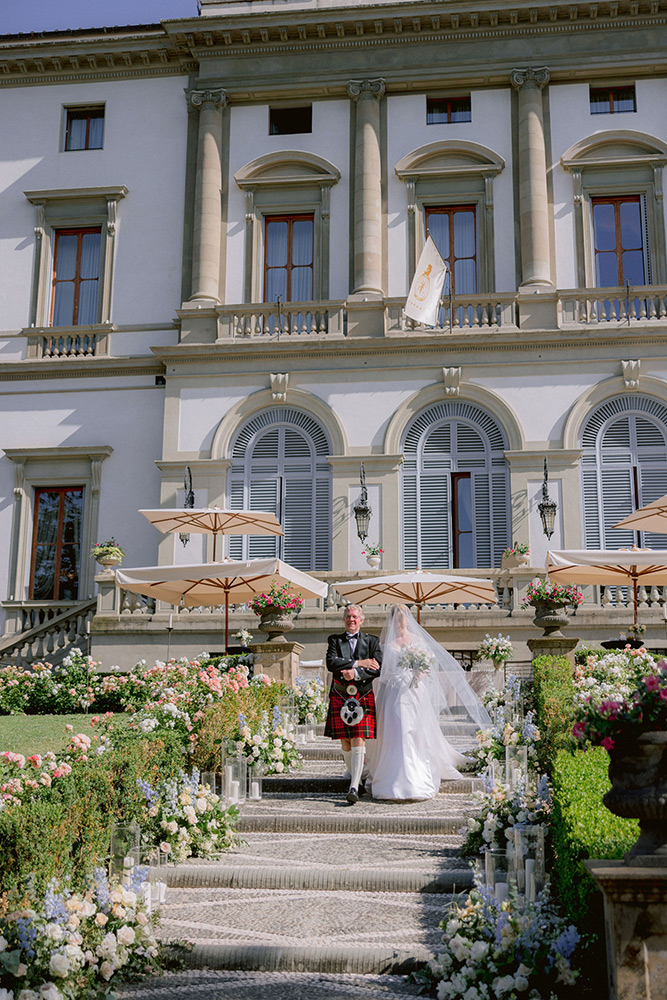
(420, 685)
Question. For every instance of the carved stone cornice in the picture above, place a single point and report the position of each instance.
(530, 78)
(214, 98)
(376, 88)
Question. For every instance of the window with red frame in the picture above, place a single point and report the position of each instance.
(288, 258)
(76, 277)
(612, 100)
(453, 231)
(445, 110)
(84, 128)
(619, 241)
(56, 543)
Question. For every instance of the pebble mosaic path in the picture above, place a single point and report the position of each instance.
(322, 900)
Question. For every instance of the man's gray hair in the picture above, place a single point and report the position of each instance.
(353, 607)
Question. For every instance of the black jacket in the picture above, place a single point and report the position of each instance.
(339, 658)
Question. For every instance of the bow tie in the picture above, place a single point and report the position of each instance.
(351, 635)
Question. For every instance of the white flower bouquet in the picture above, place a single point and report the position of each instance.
(498, 810)
(71, 946)
(186, 819)
(309, 699)
(497, 648)
(273, 745)
(416, 661)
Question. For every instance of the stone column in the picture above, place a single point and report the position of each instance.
(533, 202)
(367, 187)
(207, 229)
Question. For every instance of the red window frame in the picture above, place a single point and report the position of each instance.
(612, 94)
(617, 201)
(456, 477)
(77, 279)
(444, 107)
(59, 542)
(81, 114)
(290, 220)
(450, 211)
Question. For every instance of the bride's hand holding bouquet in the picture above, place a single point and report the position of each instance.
(416, 661)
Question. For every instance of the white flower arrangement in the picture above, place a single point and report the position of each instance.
(186, 819)
(271, 745)
(244, 636)
(71, 946)
(500, 951)
(491, 743)
(497, 648)
(309, 699)
(497, 810)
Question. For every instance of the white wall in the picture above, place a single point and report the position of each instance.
(330, 138)
(407, 131)
(144, 149)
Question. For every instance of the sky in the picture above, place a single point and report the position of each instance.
(49, 15)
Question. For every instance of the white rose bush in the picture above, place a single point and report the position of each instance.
(73, 946)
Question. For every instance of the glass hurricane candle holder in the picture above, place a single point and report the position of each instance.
(125, 850)
(235, 778)
(255, 776)
(516, 766)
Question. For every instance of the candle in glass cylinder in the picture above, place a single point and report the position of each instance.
(233, 791)
(254, 790)
(501, 890)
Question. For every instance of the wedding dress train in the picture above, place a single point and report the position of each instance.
(420, 683)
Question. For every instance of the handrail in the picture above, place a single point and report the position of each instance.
(55, 636)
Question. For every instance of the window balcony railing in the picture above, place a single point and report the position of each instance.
(289, 319)
(597, 306)
(464, 312)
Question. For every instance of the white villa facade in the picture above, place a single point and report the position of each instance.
(208, 228)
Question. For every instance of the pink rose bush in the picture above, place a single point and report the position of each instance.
(619, 696)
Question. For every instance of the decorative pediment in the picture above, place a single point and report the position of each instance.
(611, 149)
(449, 157)
(291, 167)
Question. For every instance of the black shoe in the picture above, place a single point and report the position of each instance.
(353, 796)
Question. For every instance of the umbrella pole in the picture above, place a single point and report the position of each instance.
(419, 607)
(226, 618)
(634, 587)
(215, 539)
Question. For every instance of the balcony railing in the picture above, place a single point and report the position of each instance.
(598, 306)
(464, 312)
(290, 319)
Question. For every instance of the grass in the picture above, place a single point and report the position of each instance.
(28, 734)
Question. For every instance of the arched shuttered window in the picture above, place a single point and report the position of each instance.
(279, 464)
(624, 466)
(455, 488)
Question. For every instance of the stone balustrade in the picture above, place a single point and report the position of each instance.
(48, 633)
(291, 319)
(596, 306)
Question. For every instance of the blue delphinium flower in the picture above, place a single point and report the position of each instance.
(529, 728)
(566, 942)
(27, 933)
(54, 904)
(102, 890)
(277, 717)
(543, 791)
(138, 876)
(242, 720)
(150, 794)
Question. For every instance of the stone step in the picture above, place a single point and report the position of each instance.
(325, 813)
(211, 984)
(325, 862)
(306, 781)
(300, 930)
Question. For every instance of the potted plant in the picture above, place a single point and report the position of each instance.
(549, 599)
(373, 555)
(107, 553)
(517, 554)
(275, 610)
(632, 727)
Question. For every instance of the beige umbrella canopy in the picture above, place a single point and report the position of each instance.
(214, 521)
(652, 517)
(217, 583)
(620, 567)
(418, 587)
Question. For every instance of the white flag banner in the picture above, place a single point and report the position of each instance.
(424, 295)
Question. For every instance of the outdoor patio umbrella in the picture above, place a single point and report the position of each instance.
(214, 521)
(418, 587)
(215, 583)
(652, 517)
(620, 567)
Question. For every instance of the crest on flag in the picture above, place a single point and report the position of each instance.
(424, 295)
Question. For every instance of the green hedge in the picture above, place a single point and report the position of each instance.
(582, 828)
(66, 832)
(553, 689)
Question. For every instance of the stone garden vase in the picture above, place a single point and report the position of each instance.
(275, 624)
(638, 774)
(374, 561)
(551, 617)
(109, 560)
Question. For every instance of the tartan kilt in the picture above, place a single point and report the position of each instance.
(336, 729)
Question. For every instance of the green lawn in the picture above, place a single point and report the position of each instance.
(28, 734)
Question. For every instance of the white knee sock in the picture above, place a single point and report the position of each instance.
(356, 765)
(347, 755)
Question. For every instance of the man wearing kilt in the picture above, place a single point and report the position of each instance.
(354, 658)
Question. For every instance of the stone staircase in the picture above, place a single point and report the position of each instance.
(322, 899)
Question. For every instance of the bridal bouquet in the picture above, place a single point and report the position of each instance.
(416, 661)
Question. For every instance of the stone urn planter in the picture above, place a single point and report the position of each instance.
(550, 616)
(515, 560)
(108, 560)
(275, 624)
(638, 774)
(374, 561)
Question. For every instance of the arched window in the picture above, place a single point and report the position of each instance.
(624, 466)
(455, 488)
(279, 464)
